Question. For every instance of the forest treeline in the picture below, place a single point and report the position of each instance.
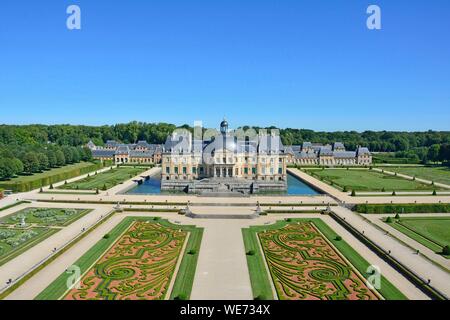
(33, 148)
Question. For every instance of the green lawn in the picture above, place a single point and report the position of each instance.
(14, 241)
(436, 174)
(45, 216)
(108, 179)
(37, 180)
(432, 232)
(368, 180)
(184, 278)
(259, 276)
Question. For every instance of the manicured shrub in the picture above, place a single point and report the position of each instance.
(97, 191)
(383, 190)
(288, 220)
(192, 252)
(181, 296)
(446, 250)
(65, 182)
(404, 208)
(353, 193)
(434, 193)
(260, 297)
(251, 252)
(393, 193)
(106, 236)
(51, 186)
(338, 238)
(388, 220)
(345, 189)
(104, 188)
(24, 186)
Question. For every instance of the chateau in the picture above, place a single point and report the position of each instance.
(137, 153)
(328, 155)
(224, 163)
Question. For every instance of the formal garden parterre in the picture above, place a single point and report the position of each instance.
(104, 180)
(14, 241)
(432, 232)
(136, 260)
(44, 216)
(439, 174)
(308, 260)
(367, 180)
(23, 229)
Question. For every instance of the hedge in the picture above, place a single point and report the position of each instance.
(403, 208)
(24, 186)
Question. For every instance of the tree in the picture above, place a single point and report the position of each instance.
(76, 156)
(7, 168)
(60, 158)
(444, 153)
(68, 154)
(43, 161)
(86, 154)
(31, 162)
(18, 166)
(52, 160)
(433, 152)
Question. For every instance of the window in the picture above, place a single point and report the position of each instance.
(176, 170)
(167, 170)
(194, 170)
(253, 170)
(245, 170)
(184, 170)
(280, 170)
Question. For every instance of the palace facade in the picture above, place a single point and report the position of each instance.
(119, 153)
(309, 154)
(223, 163)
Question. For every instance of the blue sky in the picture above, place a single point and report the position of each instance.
(290, 63)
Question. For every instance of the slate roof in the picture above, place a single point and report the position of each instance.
(123, 149)
(141, 154)
(324, 151)
(362, 151)
(338, 145)
(344, 154)
(103, 153)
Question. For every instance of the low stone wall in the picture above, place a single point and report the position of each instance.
(207, 186)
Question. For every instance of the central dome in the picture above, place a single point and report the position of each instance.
(224, 126)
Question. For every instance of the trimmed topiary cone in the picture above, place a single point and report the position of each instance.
(446, 250)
